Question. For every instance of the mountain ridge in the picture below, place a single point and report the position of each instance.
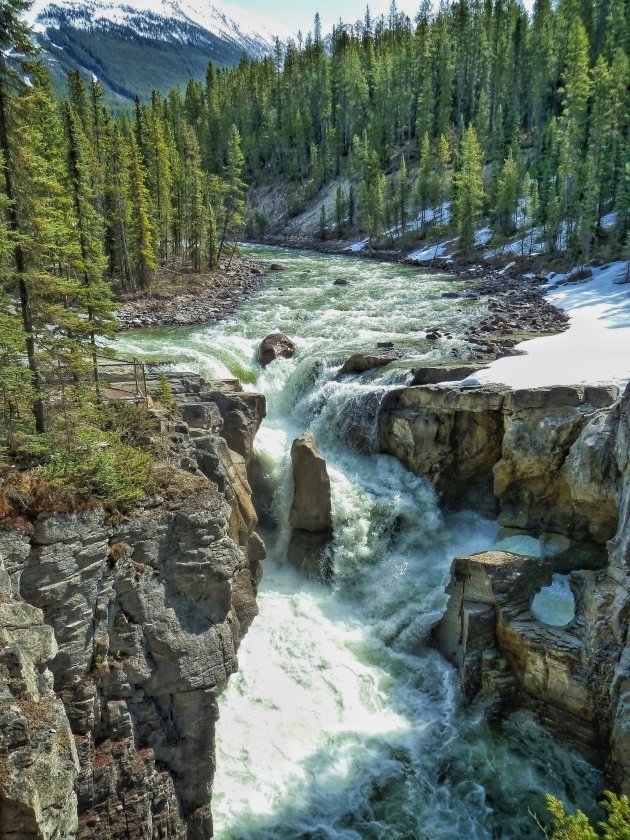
(135, 46)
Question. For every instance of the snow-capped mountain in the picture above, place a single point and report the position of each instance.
(166, 20)
(133, 46)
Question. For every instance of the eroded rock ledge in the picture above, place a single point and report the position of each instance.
(553, 461)
(540, 458)
(118, 635)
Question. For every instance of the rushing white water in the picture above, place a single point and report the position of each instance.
(342, 722)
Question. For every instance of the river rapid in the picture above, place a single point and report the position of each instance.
(342, 723)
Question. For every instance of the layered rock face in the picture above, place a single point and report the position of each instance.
(540, 458)
(118, 634)
(554, 462)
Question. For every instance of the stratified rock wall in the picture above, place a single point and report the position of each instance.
(577, 677)
(118, 634)
(542, 458)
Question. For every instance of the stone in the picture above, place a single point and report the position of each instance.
(275, 345)
(442, 373)
(341, 281)
(308, 551)
(576, 678)
(541, 458)
(360, 362)
(311, 508)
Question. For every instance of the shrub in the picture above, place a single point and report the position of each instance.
(576, 826)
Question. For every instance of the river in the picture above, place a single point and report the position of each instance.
(342, 723)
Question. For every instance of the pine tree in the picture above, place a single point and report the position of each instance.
(469, 189)
(340, 207)
(234, 189)
(89, 230)
(322, 222)
(507, 194)
(211, 245)
(140, 229)
(402, 193)
(14, 35)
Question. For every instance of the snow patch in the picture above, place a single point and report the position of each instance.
(595, 348)
(431, 252)
(357, 247)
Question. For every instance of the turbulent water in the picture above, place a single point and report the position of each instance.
(342, 723)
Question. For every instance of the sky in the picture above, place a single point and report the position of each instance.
(300, 14)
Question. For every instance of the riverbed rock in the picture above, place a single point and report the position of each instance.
(139, 620)
(442, 373)
(311, 508)
(275, 345)
(311, 512)
(575, 678)
(309, 552)
(341, 281)
(361, 362)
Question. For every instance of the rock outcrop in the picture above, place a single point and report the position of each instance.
(138, 620)
(362, 362)
(275, 346)
(576, 678)
(311, 513)
(540, 457)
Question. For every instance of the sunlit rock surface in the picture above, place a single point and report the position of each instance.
(577, 676)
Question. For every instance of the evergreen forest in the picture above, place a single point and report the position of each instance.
(475, 113)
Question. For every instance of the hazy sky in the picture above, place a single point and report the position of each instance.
(299, 15)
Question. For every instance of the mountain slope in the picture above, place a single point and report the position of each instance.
(134, 46)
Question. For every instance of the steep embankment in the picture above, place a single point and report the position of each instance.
(117, 634)
(554, 463)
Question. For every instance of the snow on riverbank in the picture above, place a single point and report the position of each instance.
(595, 348)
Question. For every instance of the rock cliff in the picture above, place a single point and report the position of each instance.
(540, 458)
(554, 463)
(117, 634)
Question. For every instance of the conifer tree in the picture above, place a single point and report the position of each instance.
(402, 193)
(234, 189)
(141, 238)
(469, 189)
(339, 210)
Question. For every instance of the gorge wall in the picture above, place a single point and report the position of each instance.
(117, 634)
(555, 463)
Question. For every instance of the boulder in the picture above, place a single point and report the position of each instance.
(341, 281)
(311, 512)
(360, 362)
(275, 345)
(311, 509)
(442, 373)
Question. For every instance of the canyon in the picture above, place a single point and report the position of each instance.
(121, 636)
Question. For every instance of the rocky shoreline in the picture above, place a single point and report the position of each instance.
(210, 298)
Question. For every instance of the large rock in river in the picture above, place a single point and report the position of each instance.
(311, 509)
(273, 346)
(360, 362)
(311, 512)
